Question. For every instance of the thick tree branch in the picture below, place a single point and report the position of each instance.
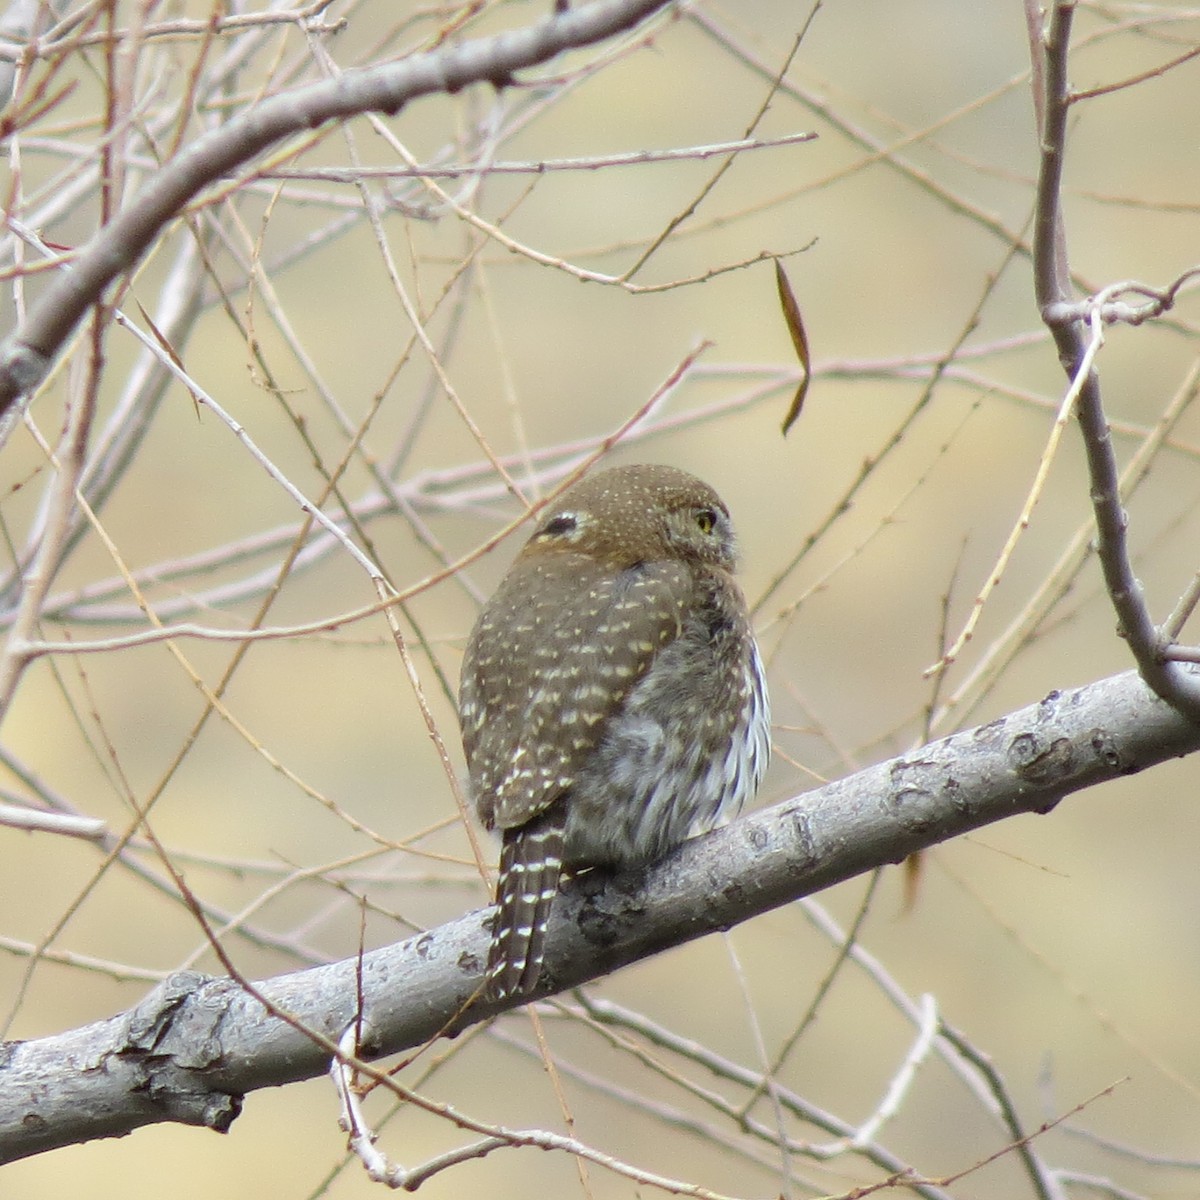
(193, 1048)
(27, 354)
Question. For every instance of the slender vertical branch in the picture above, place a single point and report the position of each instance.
(69, 463)
(1075, 351)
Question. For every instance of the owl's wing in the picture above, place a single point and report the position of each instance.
(553, 656)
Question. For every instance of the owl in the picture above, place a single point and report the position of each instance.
(613, 701)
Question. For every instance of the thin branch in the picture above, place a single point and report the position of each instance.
(38, 820)
(890, 1103)
(1133, 80)
(1042, 1179)
(68, 462)
(381, 1169)
(634, 158)
(1065, 412)
(60, 40)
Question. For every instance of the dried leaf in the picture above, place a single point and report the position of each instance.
(791, 315)
(914, 869)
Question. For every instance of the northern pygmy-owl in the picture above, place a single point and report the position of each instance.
(612, 699)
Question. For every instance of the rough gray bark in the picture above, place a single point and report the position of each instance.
(196, 1045)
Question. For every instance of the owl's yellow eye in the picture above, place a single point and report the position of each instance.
(706, 520)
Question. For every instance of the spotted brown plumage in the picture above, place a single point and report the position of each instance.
(612, 699)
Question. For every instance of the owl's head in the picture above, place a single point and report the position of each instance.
(643, 513)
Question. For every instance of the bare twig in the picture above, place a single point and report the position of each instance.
(1044, 1183)
(68, 462)
(1065, 412)
(38, 819)
(382, 1169)
(891, 1100)
(633, 158)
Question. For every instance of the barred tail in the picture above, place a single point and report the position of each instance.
(530, 865)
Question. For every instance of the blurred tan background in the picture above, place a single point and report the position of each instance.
(1063, 947)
